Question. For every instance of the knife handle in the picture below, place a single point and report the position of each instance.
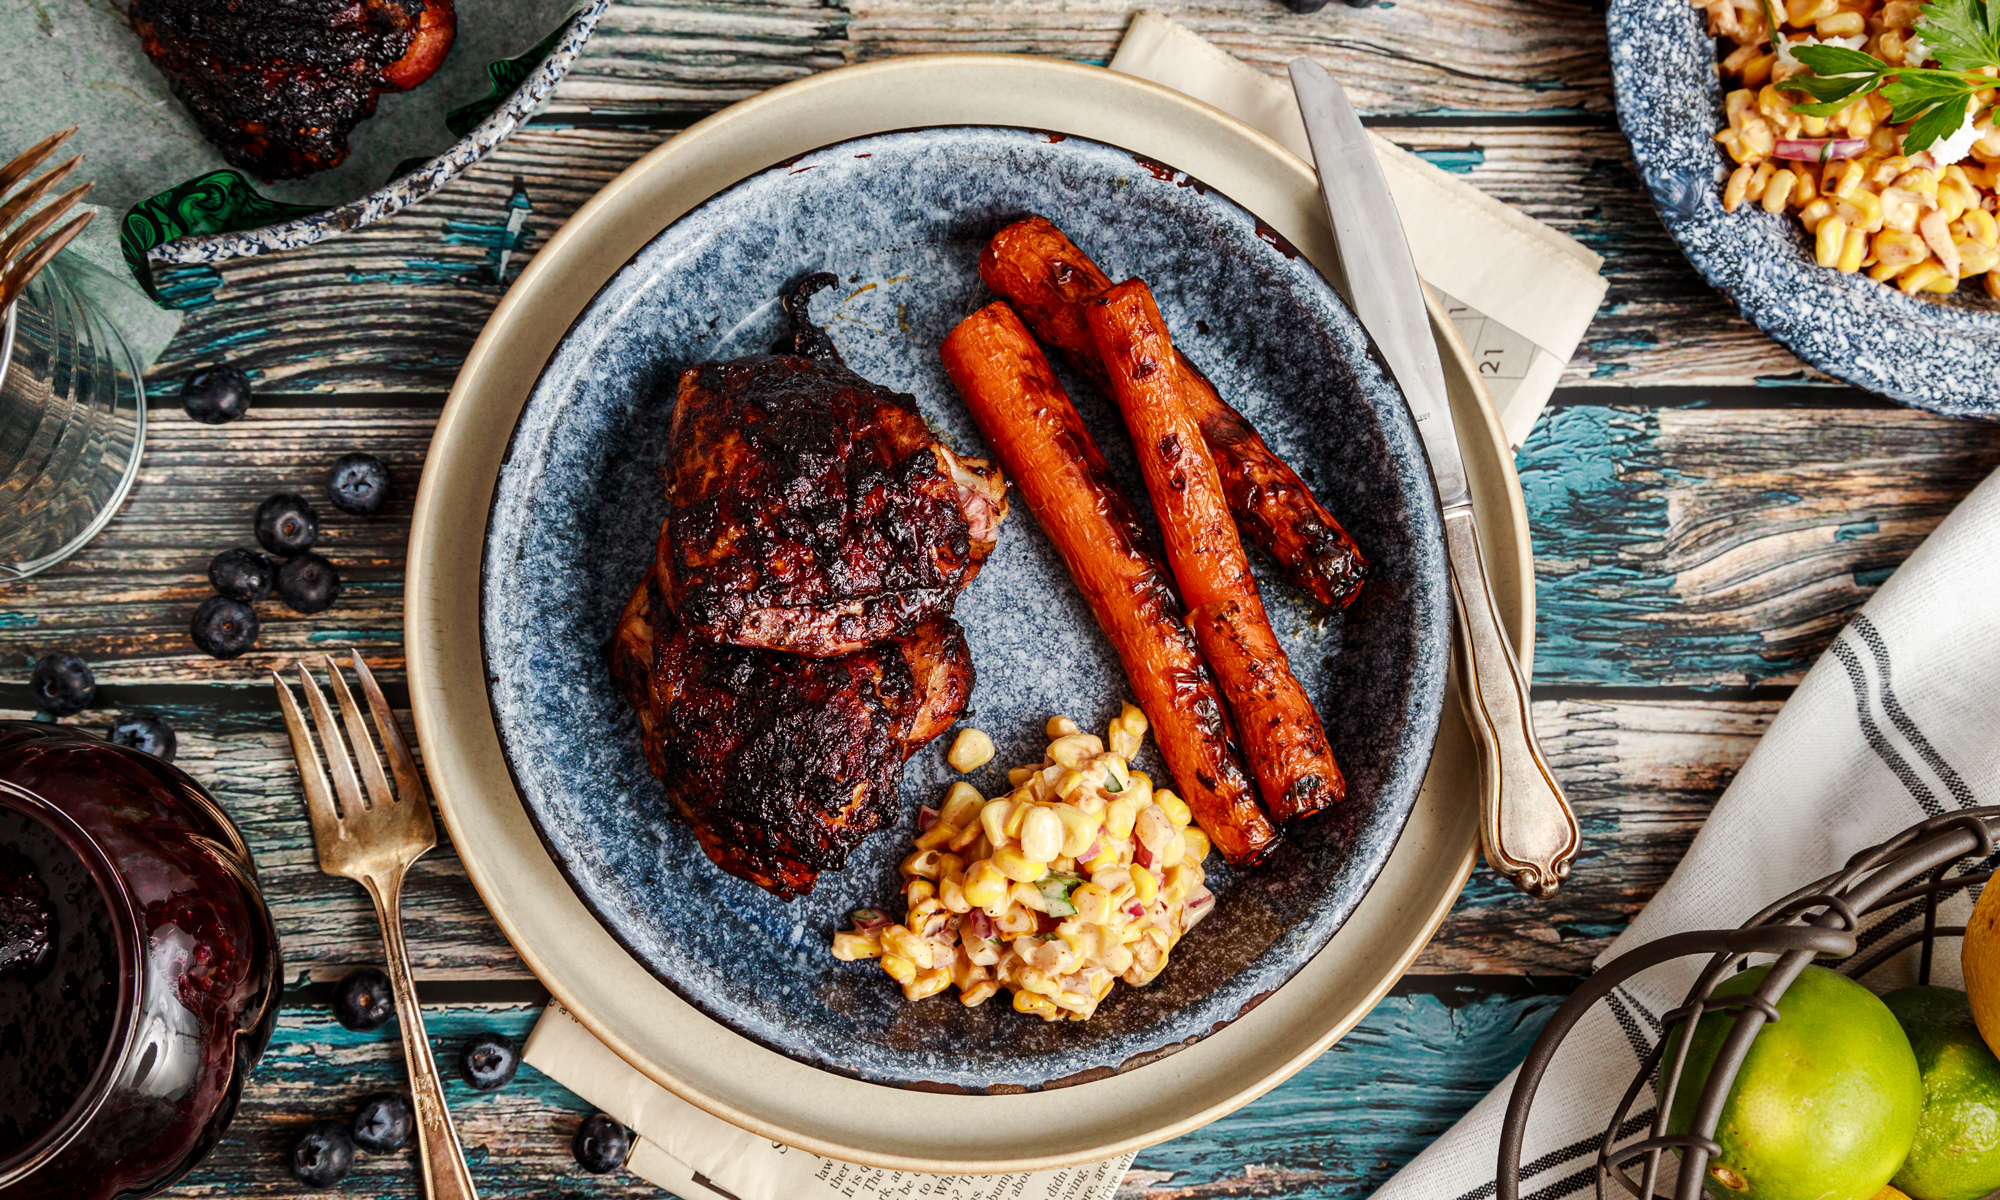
(1526, 825)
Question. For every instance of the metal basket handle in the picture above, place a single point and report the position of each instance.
(1757, 939)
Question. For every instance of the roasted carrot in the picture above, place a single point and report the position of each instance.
(1058, 469)
(1282, 736)
(1045, 276)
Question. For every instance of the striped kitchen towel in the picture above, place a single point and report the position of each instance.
(1894, 724)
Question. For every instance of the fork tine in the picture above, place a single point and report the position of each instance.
(319, 799)
(357, 737)
(16, 277)
(32, 228)
(344, 784)
(409, 784)
(31, 158)
(18, 204)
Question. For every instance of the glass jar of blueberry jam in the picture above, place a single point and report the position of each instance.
(139, 972)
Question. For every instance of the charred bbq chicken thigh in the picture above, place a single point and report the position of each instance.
(792, 645)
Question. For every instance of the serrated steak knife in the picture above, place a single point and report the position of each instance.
(1527, 827)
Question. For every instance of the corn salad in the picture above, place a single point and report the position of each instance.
(1909, 220)
(1082, 875)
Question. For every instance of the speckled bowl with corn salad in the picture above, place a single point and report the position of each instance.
(1082, 875)
(1923, 221)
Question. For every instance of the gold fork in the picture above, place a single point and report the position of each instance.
(17, 267)
(373, 840)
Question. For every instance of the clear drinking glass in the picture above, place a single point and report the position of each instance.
(72, 421)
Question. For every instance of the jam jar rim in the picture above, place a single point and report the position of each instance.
(128, 928)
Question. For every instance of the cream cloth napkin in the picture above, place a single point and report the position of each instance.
(1894, 724)
(699, 1157)
(1522, 295)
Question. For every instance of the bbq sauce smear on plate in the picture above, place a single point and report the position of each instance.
(58, 979)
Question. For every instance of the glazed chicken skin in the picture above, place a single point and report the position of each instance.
(813, 511)
(792, 644)
(278, 85)
(782, 763)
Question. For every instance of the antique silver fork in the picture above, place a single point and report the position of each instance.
(373, 840)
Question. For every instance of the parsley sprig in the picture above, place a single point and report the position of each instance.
(1963, 36)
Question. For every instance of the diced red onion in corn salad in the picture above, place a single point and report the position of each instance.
(1819, 150)
(1081, 876)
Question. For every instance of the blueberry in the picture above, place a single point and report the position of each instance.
(308, 583)
(146, 733)
(216, 396)
(286, 524)
(489, 1061)
(224, 628)
(600, 1144)
(1313, 6)
(384, 1123)
(364, 1000)
(242, 575)
(358, 483)
(323, 1155)
(62, 684)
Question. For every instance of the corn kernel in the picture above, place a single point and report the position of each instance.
(970, 750)
(1079, 829)
(851, 945)
(969, 837)
(1011, 828)
(993, 819)
(1852, 252)
(984, 883)
(1861, 209)
(1016, 776)
(1829, 240)
(1144, 886)
(1816, 211)
(1093, 903)
(1041, 835)
(979, 993)
(1980, 226)
(1119, 816)
(1920, 277)
(927, 983)
(902, 970)
(1778, 192)
(1060, 726)
(899, 942)
(923, 863)
(1106, 859)
(952, 893)
(1174, 851)
(1070, 785)
(1738, 188)
(1017, 867)
(1040, 1006)
(1176, 808)
(1840, 24)
(918, 890)
(1196, 845)
(1074, 750)
(937, 836)
(961, 805)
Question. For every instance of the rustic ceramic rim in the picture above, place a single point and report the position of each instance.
(406, 189)
(615, 997)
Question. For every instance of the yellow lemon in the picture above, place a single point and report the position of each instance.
(1979, 957)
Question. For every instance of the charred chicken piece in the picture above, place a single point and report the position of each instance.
(278, 85)
(782, 763)
(813, 511)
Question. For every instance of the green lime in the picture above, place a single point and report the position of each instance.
(1825, 1106)
(1957, 1151)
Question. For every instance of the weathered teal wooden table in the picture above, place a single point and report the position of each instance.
(1706, 512)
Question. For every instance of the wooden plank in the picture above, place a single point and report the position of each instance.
(1412, 57)
(1642, 774)
(650, 54)
(393, 308)
(1339, 1127)
(1674, 546)
(1716, 547)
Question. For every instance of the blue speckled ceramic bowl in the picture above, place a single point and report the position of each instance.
(1936, 353)
(901, 218)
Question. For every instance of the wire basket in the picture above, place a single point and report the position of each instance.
(1822, 919)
